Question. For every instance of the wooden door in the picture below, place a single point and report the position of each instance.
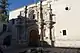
(33, 38)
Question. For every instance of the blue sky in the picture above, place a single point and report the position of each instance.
(19, 3)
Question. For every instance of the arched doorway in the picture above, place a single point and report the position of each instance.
(33, 38)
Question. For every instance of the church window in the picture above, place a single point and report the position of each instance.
(64, 32)
(33, 16)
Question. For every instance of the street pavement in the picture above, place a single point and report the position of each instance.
(51, 50)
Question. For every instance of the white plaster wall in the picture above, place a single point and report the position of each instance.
(69, 20)
(13, 14)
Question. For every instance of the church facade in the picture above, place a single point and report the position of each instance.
(65, 16)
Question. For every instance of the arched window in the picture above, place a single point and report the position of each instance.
(33, 16)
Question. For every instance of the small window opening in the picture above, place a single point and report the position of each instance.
(64, 32)
(33, 16)
(67, 8)
(37, 15)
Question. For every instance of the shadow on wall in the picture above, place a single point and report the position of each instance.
(45, 44)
